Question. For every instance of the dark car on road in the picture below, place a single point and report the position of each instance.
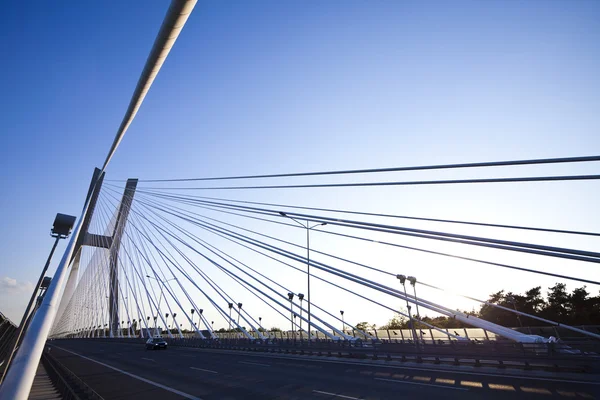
(156, 343)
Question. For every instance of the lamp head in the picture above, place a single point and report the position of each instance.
(62, 225)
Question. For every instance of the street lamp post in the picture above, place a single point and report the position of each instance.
(402, 279)
(230, 307)
(413, 282)
(308, 229)
(192, 323)
(61, 228)
(291, 297)
(301, 297)
(239, 312)
(343, 323)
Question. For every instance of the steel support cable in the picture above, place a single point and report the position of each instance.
(163, 282)
(180, 269)
(272, 237)
(392, 274)
(223, 313)
(552, 322)
(443, 236)
(120, 265)
(529, 228)
(272, 281)
(205, 276)
(248, 289)
(396, 293)
(156, 277)
(104, 208)
(395, 169)
(143, 253)
(205, 244)
(186, 275)
(365, 282)
(176, 17)
(70, 302)
(218, 265)
(150, 299)
(113, 291)
(466, 239)
(246, 313)
(141, 309)
(74, 304)
(423, 322)
(563, 178)
(442, 254)
(260, 291)
(449, 239)
(127, 249)
(314, 276)
(252, 269)
(178, 282)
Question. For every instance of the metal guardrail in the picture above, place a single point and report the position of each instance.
(60, 383)
(67, 383)
(8, 332)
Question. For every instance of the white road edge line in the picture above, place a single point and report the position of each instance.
(149, 359)
(252, 363)
(167, 388)
(204, 370)
(421, 384)
(336, 395)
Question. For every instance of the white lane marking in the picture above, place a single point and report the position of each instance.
(149, 359)
(167, 388)
(336, 395)
(448, 371)
(204, 370)
(251, 363)
(187, 355)
(421, 384)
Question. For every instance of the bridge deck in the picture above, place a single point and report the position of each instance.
(118, 370)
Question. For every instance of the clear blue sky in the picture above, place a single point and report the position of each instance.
(267, 87)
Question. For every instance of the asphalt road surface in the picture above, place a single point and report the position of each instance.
(128, 371)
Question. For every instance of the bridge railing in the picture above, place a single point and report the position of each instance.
(581, 356)
(8, 336)
(395, 335)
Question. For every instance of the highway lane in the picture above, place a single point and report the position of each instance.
(211, 374)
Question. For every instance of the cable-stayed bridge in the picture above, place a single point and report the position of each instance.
(227, 262)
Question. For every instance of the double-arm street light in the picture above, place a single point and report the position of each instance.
(308, 229)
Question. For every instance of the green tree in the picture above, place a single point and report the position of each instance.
(558, 301)
(534, 302)
(397, 322)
